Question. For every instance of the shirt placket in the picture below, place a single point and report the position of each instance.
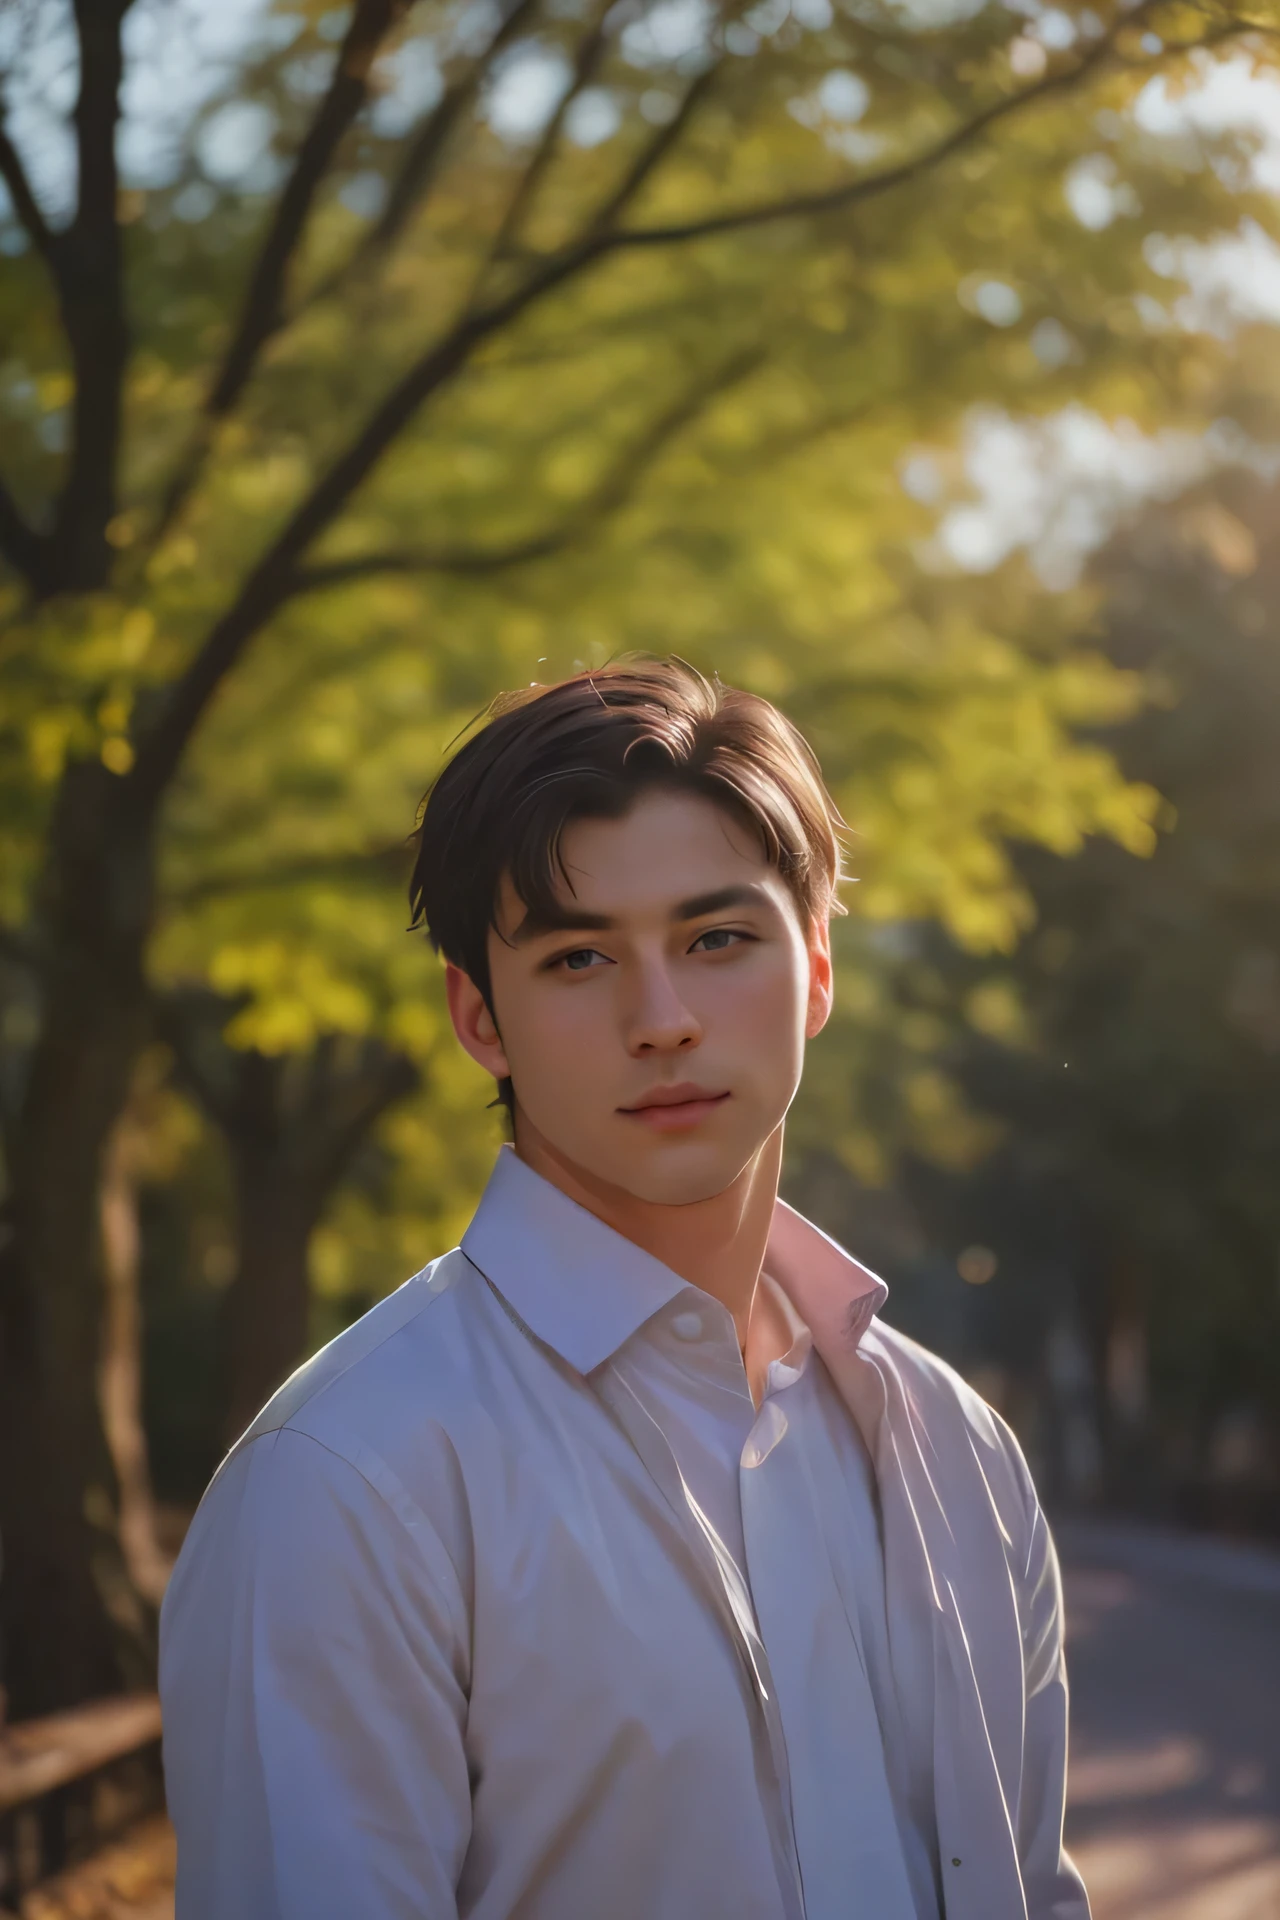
(786, 1541)
(725, 1587)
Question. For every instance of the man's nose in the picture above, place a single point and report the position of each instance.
(659, 1021)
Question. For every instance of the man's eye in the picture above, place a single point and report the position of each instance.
(581, 958)
(716, 939)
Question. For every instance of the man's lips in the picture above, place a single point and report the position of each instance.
(667, 1109)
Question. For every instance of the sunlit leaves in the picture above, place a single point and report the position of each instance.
(811, 366)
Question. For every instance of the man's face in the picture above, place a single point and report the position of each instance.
(655, 1034)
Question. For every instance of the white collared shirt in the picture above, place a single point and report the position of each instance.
(786, 1493)
(447, 1636)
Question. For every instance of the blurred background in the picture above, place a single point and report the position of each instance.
(912, 362)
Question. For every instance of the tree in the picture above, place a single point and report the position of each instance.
(1160, 987)
(1104, 1120)
(513, 305)
(293, 1123)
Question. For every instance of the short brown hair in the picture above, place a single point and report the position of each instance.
(585, 748)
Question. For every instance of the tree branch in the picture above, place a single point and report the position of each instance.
(773, 448)
(388, 861)
(651, 157)
(347, 1101)
(423, 157)
(474, 561)
(274, 579)
(872, 185)
(326, 1098)
(617, 486)
(262, 314)
(190, 1021)
(88, 265)
(271, 582)
(590, 51)
(26, 550)
(21, 545)
(25, 204)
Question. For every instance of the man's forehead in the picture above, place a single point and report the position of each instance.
(658, 846)
(649, 867)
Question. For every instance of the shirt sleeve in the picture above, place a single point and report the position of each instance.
(1054, 1889)
(313, 1674)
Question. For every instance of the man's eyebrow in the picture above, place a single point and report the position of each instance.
(563, 917)
(555, 918)
(750, 895)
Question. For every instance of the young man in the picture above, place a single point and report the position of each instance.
(622, 1565)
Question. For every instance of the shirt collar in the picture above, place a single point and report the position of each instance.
(583, 1289)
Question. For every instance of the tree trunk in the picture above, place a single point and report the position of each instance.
(120, 1367)
(268, 1302)
(71, 1625)
(292, 1123)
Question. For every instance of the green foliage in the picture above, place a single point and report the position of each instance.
(1161, 984)
(1101, 1105)
(692, 445)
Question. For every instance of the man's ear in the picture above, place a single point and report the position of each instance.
(473, 1023)
(820, 981)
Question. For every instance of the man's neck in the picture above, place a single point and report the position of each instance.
(716, 1244)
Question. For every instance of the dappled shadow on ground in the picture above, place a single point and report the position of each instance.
(1208, 1871)
(1174, 1809)
(129, 1880)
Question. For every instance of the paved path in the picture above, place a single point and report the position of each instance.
(1174, 1647)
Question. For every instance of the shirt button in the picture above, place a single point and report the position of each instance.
(687, 1326)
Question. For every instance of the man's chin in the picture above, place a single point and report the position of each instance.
(677, 1177)
(656, 1171)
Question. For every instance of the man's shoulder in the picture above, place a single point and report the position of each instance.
(364, 1430)
(947, 1409)
(403, 1363)
(927, 1373)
